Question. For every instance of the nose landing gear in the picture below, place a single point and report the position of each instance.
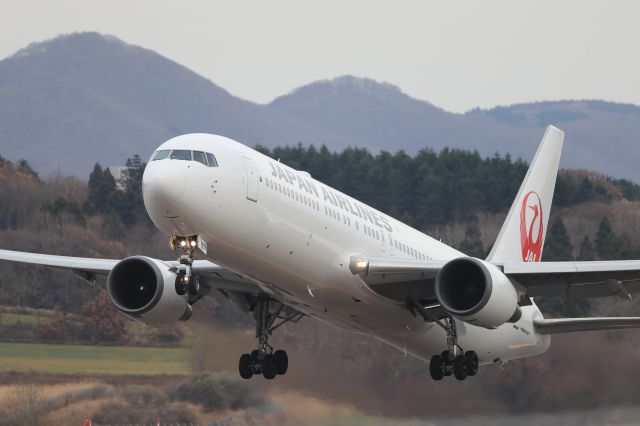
(264, 360)
(185, 280)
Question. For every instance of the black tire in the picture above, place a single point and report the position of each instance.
(254, 355)
(445, 355)
(436, 367)
(194, 286)
(181, 287)
(472, 363)
(269, 367)
(460, 367)
(282, 361)
(244, 366)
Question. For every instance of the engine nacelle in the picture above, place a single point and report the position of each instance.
(144, 289)
(477, 292)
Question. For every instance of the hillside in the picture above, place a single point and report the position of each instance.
(81, 98)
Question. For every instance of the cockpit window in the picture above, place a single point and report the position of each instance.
(160, 155)
(205, 158)
(180, 154)
(199, 157)
(212, 160)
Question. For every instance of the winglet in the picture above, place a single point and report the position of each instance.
(521, 238)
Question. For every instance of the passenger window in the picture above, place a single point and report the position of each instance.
(181, 154)
(199, 157)
(212, 160)
(161, 155)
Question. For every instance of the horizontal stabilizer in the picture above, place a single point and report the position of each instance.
(572, 325)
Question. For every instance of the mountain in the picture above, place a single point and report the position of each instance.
(86, 97)
(600, 135)
(380, 116)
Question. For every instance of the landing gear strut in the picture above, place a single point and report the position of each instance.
(454, 360)
(264, 360)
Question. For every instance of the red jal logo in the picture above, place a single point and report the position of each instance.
(531, 235)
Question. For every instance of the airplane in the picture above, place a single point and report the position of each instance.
(282, 245)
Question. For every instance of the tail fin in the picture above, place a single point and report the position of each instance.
(521, 237)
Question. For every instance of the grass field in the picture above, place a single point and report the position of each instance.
(84, 359)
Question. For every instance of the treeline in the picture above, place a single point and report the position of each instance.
(118, 201)
(438, 188)
(105, 217)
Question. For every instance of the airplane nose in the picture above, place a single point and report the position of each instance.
(163, 184)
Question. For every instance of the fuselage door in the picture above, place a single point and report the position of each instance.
(252, 179)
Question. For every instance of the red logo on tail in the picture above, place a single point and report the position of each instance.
(531, 236)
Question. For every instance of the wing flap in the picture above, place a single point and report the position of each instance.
(402, 280)
(576, 280)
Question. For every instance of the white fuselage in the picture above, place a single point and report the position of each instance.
(294, 236)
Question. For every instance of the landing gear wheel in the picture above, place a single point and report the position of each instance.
(181, 286)
(281, 361)
(194, 286)
(447, 363)
(436, 367)
(269, 367)
(255, 355)
(245, 366)
(472, 363)
(460, 367)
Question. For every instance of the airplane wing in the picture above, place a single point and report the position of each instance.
(89, 269)
(403, 279)
(412, 283)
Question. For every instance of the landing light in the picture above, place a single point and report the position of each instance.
(358, 265)
(193, 243)
(183, 243)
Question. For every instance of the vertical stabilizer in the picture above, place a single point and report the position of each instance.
(521, 238)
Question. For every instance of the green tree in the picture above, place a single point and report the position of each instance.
(24, 167)
(472, 244)
(611, 246)
(129, 204)
(558, 245)
(4, 162)
(587, 251)
(102, 189)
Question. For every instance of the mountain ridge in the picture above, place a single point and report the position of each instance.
(82, 98)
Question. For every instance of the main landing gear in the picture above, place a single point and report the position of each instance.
(264, 360)
(454, 360)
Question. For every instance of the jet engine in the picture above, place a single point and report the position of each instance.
(144, 289)
(477, 292)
